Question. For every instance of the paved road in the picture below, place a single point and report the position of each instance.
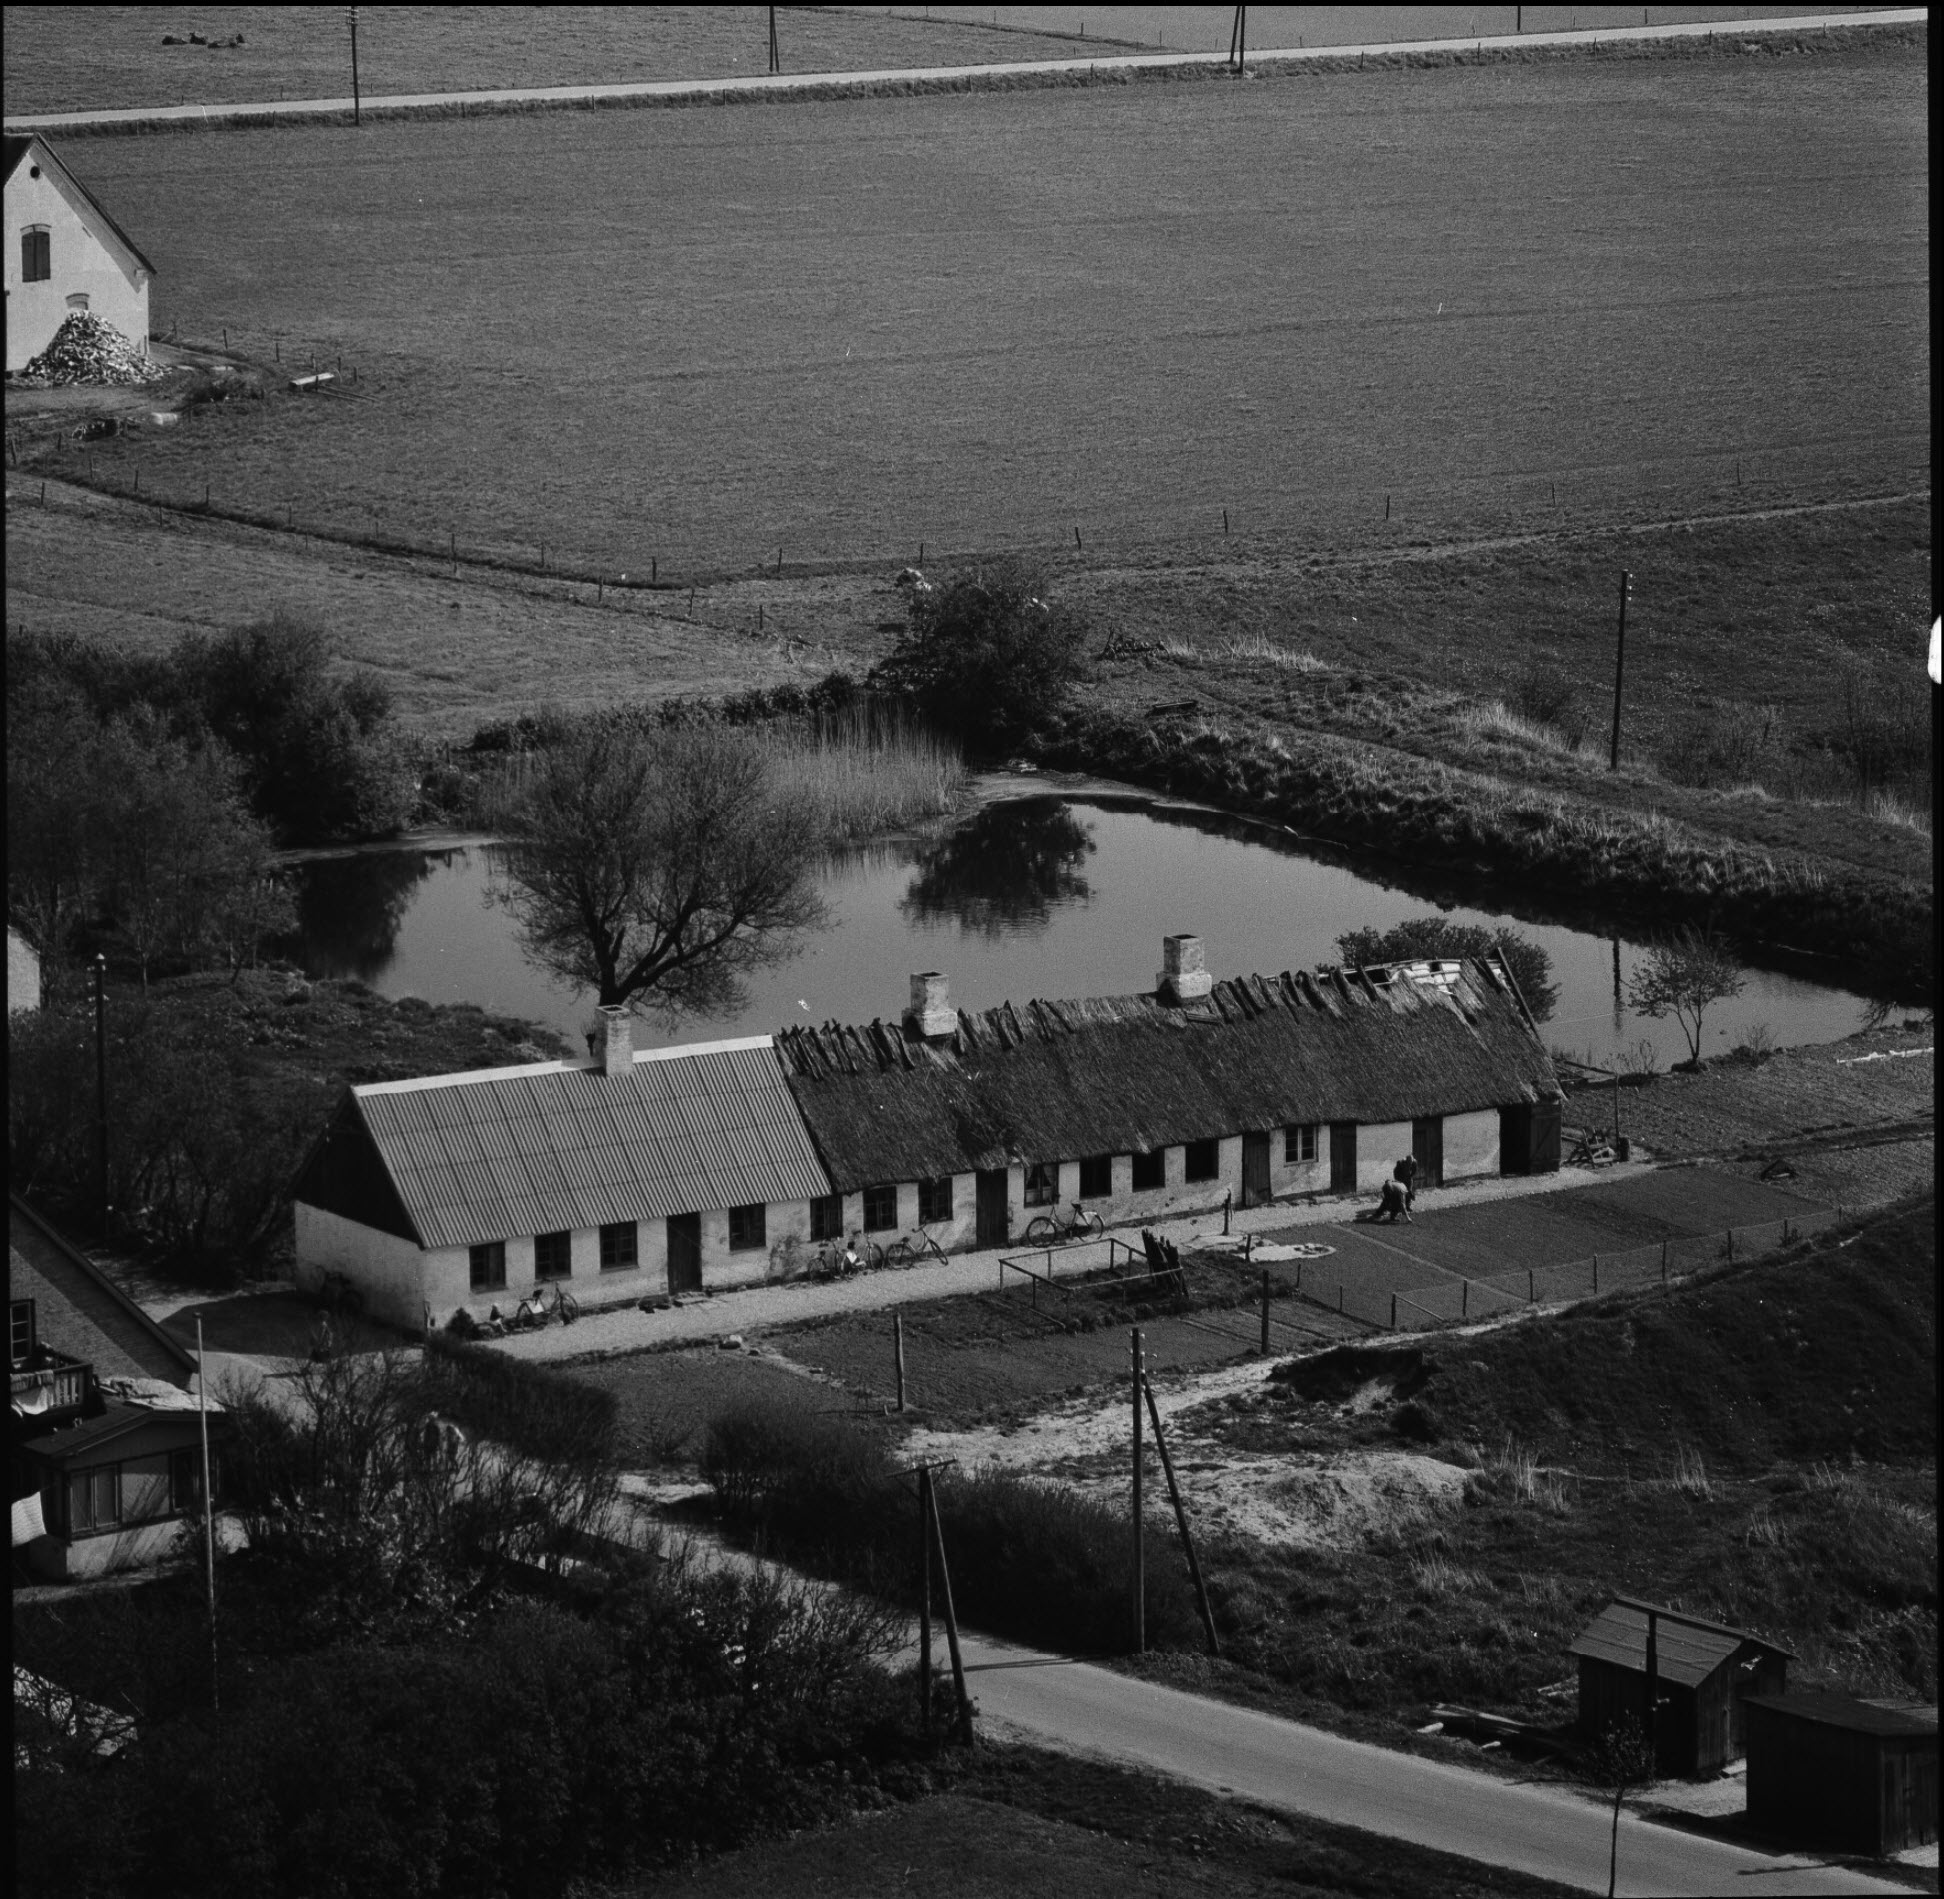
(785, 83)
(1547, 1831)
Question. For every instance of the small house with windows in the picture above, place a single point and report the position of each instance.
(64, 253)
(686, 1169)
(106, 1457)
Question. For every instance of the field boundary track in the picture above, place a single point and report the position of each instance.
(1118, 69)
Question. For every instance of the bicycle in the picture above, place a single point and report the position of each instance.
(909, 1248)
(841, 1258)
(1050, 1230)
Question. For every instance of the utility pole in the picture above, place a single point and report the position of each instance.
(776, 58)
(1140, 1553)
(1619, 666)
(357, 109)
(209, 1507)
(101, 1091)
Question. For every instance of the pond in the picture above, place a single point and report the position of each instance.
(1047, 888)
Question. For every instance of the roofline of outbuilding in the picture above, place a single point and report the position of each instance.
(182, 1355)
(1665, 1614)
(19, 150)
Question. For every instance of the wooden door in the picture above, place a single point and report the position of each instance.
(1343, 1157)
(1515, 1140)
(1255, 1170)
(1427, 1144)
(685, 1252)
(1545, 1138)
(994, 1222)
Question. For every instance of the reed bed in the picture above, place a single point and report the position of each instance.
(867, 770)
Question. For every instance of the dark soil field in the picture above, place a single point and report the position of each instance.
(837, 331)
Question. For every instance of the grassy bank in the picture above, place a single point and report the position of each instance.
(1641, 863)
(1758, 1449)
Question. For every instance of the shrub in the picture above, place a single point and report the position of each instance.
(990, 655)
(1440, 937)
(1032, 1560)
(530, 1408)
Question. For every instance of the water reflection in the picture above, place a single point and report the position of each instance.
(1004, 871)
(350, 909)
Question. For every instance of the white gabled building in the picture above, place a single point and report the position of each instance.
(64, 253)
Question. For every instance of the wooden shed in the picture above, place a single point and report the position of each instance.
(1831, 1771)
(1704, 1673)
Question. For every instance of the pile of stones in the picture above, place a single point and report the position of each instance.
(87, 350)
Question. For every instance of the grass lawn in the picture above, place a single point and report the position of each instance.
(1757, 1448)
(838, 330)
(1030, 1821)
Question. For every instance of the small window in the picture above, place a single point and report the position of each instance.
(747, 1228)
(1150, 1171)
(489, 1266)
(1097, 1177)
(553, 1255)
(827, 1217)
(36, 261)
(1299, 1143)
(1042, 1183)
(880, 1209)
(620, 1246)
(1202, 1160)
(97, 1498)
(185, 1482)
(934, 1200)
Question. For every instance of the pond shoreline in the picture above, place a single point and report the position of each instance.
(1432, 817)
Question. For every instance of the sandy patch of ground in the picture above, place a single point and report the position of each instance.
(1337, 1501)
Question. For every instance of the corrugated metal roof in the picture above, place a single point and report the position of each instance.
(1686, 1650)
(1828, 1709)
(508, 1152)
(1128, 1074)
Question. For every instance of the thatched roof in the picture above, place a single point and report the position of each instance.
(1128, 1074)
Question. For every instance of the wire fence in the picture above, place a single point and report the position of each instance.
(1459, 1300)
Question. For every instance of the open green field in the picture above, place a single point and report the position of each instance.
(837, 331)
(114, 60)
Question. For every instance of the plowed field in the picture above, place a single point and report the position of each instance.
(1499, 296)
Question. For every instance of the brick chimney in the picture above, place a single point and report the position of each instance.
(931, 1012)
(617, 1051)
(1182, 977)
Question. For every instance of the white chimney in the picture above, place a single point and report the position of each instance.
(1182, 977)
(931, 1012)
(617, 1052)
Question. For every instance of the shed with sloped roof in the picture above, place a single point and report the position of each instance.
(1830, 1770)
(1702, 1674)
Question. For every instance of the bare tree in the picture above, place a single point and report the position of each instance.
(1682, 976)
(659, 865)
(1621, 1760)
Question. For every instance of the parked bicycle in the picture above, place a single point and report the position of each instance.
(841, 1258)
(1050, 1230)
(909, 1248)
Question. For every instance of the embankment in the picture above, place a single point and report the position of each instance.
(1642, 865)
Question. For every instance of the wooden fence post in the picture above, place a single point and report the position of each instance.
(1393, 1312)
(1464, 1298)
(897, 1333)
(1265, 1312)
(1532, 1292)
